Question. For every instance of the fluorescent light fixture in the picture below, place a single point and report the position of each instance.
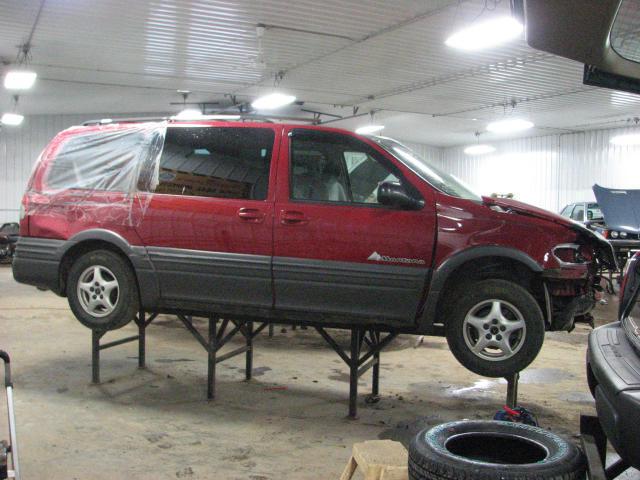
(509, 126)
(273, 101)
(189, 114)
(485, 34)
(19, 80)
(479, 149)
(222, 117)
(627, 139)
(368, 129)
(11, 119)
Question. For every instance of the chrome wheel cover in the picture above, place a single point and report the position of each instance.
(98, 291)
(494, 330)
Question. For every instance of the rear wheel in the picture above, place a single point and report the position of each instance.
(102, 290)
(494, 327)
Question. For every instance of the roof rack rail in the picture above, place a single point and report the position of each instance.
(218, 116)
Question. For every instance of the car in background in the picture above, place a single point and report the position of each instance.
(613, 369)
(587, 213)
(9, 234)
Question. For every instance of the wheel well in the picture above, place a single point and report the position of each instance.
(499, 268)
(80, 249)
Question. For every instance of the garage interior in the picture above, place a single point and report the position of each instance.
(349, 64)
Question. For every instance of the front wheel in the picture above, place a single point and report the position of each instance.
(102, 290)
(494, 328)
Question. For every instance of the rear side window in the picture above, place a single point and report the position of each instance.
(105, 160)
(214, 162)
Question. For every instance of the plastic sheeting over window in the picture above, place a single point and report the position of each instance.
(91, 174)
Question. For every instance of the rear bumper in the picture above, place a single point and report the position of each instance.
(37, 262)
(615, 366)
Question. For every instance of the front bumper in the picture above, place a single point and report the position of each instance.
(614, 368)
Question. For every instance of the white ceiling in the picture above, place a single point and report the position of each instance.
(121, 56)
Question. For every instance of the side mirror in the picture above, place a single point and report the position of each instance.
(394, 195)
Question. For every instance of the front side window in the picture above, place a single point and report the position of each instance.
(445, 182)
(330, 167)
(221, 162)
(578, 213)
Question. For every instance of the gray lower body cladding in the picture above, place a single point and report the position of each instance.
(290, 289)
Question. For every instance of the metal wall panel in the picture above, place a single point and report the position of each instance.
(550, 171)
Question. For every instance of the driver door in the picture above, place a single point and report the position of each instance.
(337, 251)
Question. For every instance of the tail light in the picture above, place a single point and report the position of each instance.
(24, 217)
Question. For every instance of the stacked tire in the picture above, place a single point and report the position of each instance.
(488, 450)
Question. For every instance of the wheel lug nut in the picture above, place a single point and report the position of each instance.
(91, 289)
(486, 326)
(101, 297)
(503, 328)
(494, 321)
(498, 337)
(95, 296)
(488, 336)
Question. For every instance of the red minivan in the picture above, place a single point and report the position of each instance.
(299, 224)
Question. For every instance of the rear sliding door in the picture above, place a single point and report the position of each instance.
(207, 215)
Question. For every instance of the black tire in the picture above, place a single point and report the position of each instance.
(515, 304)
(487, 450)
(125, 304)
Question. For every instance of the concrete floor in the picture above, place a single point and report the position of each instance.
(289, 422)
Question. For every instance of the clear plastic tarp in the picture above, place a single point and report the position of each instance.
(91, 173)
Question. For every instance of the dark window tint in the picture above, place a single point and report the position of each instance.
(215, 162)
(327, 167)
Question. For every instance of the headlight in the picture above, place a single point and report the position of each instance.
(623, 234)
(614, 234)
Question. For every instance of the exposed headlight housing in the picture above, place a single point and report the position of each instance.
(570, 253)
(623, 235)
(614, 234)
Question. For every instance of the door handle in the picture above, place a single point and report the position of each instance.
(251, 215)
(292, 217)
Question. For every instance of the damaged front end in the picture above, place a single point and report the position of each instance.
(573, 277)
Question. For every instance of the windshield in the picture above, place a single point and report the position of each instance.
(443, 181)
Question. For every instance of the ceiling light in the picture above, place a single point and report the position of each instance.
(480, 149)
(628, 139)
(486, 34)
(19, 80)
(273, 101)
(368, 129)
(11, 119)
(189, 114)
(510, 125)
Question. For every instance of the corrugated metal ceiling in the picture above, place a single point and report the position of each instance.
(123, 56)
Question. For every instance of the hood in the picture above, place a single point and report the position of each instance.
(621, 208)
(603, 247)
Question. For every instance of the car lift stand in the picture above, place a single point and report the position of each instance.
(357, 361)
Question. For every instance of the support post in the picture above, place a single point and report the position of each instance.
(249, 355)
(512, 390)
(375, 376)
(211, 363)
(353, 372)
(96, 335)
(141, 320)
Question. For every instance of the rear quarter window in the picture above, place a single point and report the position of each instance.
(106, 160)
